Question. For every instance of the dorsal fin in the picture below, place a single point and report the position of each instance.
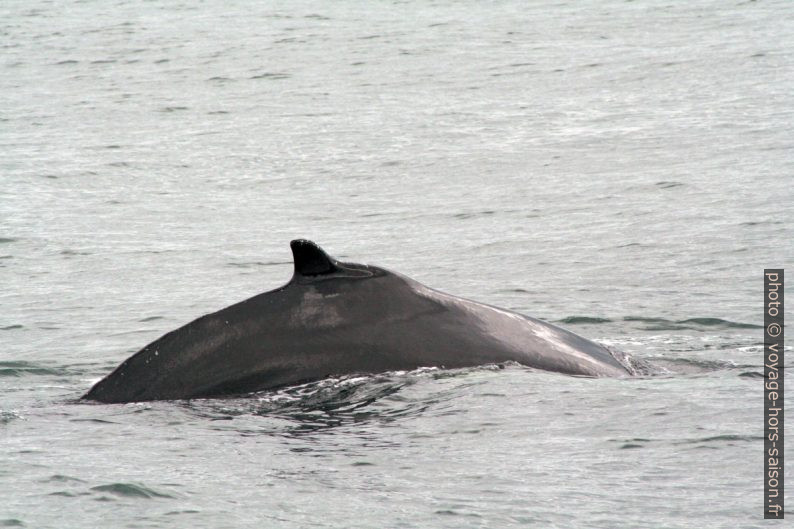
(310, 259)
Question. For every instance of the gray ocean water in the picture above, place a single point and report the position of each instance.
(623, 169)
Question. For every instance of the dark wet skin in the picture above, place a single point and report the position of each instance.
(336, 318)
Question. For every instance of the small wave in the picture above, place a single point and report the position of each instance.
(692, 366)
(60, 478)
(584, 320)
(186, 511)
(723, 438)
(71, 253)
(251, 264)
(761, 223)
(315, 405)
(18, 369)
(668, 184)
(93, 420)
(130, 490)
(8, 416)
(473, 214)
(274, 76)
(332, 402)
(662, 324)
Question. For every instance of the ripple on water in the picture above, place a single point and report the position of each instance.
(273, 76)
(21, 368)
(61, 478)
(130, 490)
(254, 264)
(582, 320)
(8, 416)
(725, 438)
(697, 324)
(333, 402)
(691, 366)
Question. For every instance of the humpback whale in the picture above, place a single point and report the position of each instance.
(337, 318)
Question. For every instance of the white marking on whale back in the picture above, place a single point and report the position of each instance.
(314, 312)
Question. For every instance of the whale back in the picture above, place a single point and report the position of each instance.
(335, 318)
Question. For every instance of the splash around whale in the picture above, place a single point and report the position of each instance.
(334, 318)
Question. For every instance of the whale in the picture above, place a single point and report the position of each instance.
(338, 318)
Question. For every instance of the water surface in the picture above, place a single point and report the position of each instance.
(622, 169)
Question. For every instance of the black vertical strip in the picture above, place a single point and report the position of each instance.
(773, 393)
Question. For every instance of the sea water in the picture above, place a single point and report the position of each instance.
(622, 169)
